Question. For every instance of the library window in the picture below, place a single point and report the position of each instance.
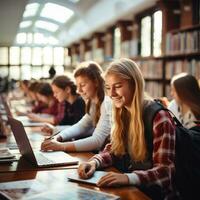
(31, 62)
(157, 33)
(25, 55)
(14, 55)
(146, 36)
(3, 55)
(151, 34)
(117, 43)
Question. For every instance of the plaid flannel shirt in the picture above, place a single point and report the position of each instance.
(163, 155)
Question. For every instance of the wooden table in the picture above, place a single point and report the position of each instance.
(56, 177)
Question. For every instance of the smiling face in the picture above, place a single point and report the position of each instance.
(86, 88)
(120, 90)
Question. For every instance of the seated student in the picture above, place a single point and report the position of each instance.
(128, 148)
(37, 106)
(45, 95)
(21, 92)
(186, 104)
(93, 129)
(74, 106)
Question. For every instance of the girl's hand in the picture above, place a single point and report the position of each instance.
(87, 169)
(34, 117)
(113, 179)
(52, 145)
(47, 129)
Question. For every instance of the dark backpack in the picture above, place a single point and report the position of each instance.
(187, 152)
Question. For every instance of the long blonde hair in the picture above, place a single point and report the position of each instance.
(128, 130)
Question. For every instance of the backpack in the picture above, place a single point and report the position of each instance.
(187, 152)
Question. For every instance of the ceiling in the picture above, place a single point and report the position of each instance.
(89, 16)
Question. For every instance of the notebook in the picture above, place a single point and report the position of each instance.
(93, 180)
(38, 158)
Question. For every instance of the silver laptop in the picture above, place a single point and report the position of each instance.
(39, 158)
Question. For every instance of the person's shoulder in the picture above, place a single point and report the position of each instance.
(79, 100)
(107, 103)
(172, 104)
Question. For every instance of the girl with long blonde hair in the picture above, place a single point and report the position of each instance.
(129, 149)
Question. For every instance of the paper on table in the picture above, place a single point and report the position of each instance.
(5, 153)
(93, 180)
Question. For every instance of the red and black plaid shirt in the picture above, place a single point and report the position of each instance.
(163, 155)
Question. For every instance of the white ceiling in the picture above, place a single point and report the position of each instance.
(90, 16)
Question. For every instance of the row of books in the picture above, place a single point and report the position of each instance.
(183, 42)
(179, 66)
(154, 89)
(129, 48)
(149, 67)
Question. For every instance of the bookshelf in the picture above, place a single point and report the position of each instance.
(181, 38)
(175, 50)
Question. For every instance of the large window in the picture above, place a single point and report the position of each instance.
(151, 34)
(117, 43)
(31, 62)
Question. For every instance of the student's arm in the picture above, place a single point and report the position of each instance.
(81, 129)
(101, 132)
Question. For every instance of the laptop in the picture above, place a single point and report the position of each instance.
(38, 158)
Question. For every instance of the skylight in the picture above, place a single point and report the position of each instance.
(56, 12)
(31, 10)
(25, 24)
(46, 25)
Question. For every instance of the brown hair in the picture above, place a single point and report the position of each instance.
(188, 91)
(62, 82)
(45, 89)
(93, 71)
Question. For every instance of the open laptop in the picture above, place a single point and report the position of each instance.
(40, 159)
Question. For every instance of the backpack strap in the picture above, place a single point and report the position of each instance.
(149, 114)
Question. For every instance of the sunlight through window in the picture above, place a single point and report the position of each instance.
(56, 12)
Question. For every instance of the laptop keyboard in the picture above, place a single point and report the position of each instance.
(43, 160)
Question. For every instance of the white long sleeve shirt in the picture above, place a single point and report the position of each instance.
(92, 138)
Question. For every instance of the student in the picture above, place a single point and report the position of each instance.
(91, 132)
(45, 95)
(128, 148)
(186, 104)
(74, 106)
(37, 106)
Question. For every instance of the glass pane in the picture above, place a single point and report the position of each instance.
(59, 70)
(26, 55)
(36, 72)
(48, 56)
(56, 12)
(58, 56)
(45, 71)
(37, 56)
(26, 72)
(21, 38)
(3, 55)
(52, 27)
(146, 36)
(157, 34)
(117, 43)
(14, 72)
(3, 71)
(14, 55)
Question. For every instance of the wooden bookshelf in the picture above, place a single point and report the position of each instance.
(180, 46)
